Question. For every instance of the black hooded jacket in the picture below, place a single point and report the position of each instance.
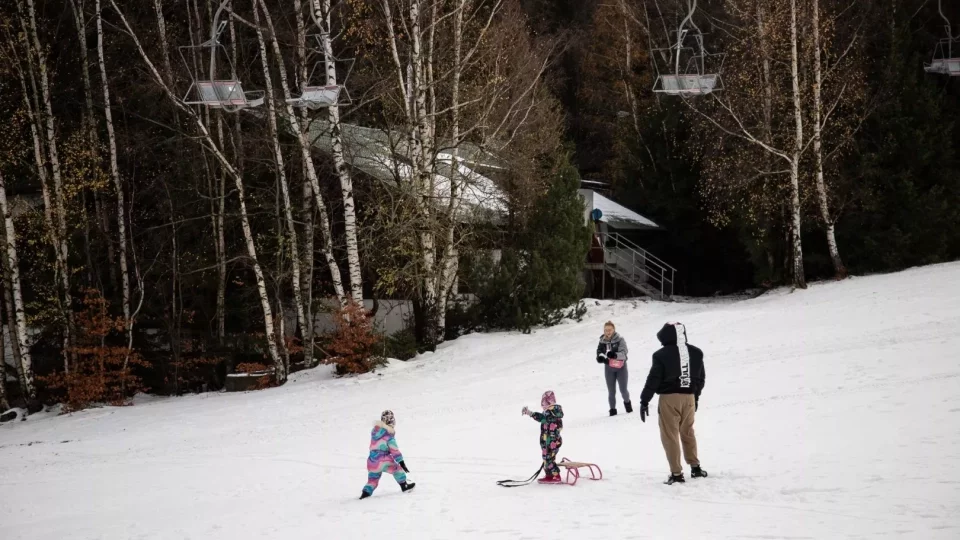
(666, 374)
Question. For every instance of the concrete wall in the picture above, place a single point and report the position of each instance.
(391, 318)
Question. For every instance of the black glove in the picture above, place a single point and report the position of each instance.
(644, 411)
(403, 465)
(601, 358)
(611, 354)
(696, 404)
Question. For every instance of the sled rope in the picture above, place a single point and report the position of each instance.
(518, 483)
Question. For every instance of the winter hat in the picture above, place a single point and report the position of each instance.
(388, 419)
(548, 399)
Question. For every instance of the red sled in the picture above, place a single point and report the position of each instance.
(573, 470)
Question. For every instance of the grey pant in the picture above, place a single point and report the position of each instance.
(614, 376)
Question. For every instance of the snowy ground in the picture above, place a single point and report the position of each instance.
(828, 413)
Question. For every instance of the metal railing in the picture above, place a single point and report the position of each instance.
(637, 266)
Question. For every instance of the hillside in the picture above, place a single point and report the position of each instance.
(828, 413)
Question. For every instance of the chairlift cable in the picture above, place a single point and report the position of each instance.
(940, 8)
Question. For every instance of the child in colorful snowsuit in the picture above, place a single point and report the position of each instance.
(551, 423)
(385, 456)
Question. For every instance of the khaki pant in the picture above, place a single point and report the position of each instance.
(676, 427)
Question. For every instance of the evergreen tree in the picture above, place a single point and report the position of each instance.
(540, 273)
(909, 209)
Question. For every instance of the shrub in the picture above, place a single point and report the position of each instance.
(402, 345)
(353, 341)
(100, 372)
(540, 271)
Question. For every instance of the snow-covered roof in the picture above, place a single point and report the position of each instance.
(383, 156)
(614, 214)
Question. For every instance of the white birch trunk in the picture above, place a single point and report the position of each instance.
(322, 8)
(258, 272)
(115, 175)
(19, 323)
(839, 269)
(312, 178)
(220, 207)
(90, 126)
(291, 235)
(307, 195)
(38, 157)
(236, 139)
(31, 104)
(4, 404)
(765, 228)
(767, 80)
(164, 43)
(404, 83)
(450, 260)
(60, 222)
(11, 320)
(799, 279)
(422, 150)
(89, 121)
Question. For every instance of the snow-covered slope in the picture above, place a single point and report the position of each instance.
(828, 413)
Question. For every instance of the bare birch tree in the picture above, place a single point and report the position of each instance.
(11, 322)
(785, 144)
(307, 210)
(19, 323)
(322, 16)
(89, 123)
(312, 178)
(799, 277)
(4, 404)
(36, 61)
(289, 225)
(115, 175)
(436, 117)
(838, 110)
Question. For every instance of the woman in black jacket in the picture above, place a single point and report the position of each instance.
(612, 353)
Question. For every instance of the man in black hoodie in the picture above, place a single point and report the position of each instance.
(677, 374)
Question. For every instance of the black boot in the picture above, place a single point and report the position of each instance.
(613, 412)
(675, 479)
(697, 472)
(405, 487)
(628, 406)
(364, 495)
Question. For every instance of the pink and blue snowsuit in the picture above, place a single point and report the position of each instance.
(384, 457)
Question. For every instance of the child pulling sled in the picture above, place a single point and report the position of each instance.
(385, 456)
(551, 423)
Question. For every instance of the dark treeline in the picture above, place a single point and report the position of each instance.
(154, 243)
(889, 159)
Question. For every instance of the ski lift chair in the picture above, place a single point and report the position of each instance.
(946, 58)
(223, 94)
(226, 92)
(697, 76)
(314, 96)
(688, 73)
(691, 82)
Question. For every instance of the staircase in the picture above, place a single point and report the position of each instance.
(636, 267)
